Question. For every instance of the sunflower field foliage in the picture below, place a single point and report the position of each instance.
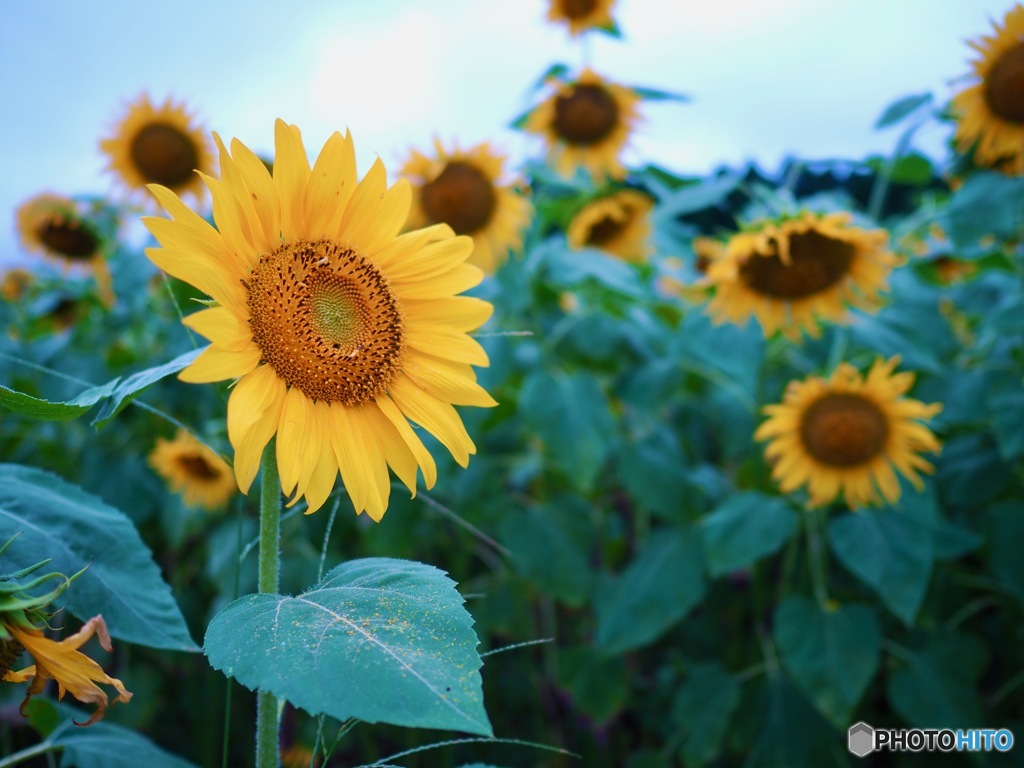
(659, 470)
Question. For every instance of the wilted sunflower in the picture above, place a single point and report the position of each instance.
(339, 329)
(619, 223)
(793, 272)
(847, 433)
(54, 227)
(581, 15)
(991, 111)
(461, 189)
(60, 661)
(159, 145)
(586, 124)
(193, 470)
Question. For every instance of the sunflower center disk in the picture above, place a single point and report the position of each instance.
(605, 230)
(461, 197)
(69, 239)
(197, 467)
(844, 430)
(326, 321)
(577, 9)
(587, 115)
(162, 154)
(1004, 86)
(816, 262)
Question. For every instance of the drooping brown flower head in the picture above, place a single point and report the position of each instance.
(618, 223)
(581, 15)
(792, 272)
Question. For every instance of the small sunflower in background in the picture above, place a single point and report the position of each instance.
(54, 227)
(581, 15)
(159, 144)
(463, 189)
(14, 283)
(793, 272)
(586, 123)
(194, 470)
(847, 434)
(619, 223)
(338, 330)
(991, 112)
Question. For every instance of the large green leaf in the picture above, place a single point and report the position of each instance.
(987, 204)
(901, 108)
(598, 685)
(115, 395)
(744, 529)
(658, 589)
(105, 745)
(570, 413)
(936, 687)
(702, 710)
(75, 528)
(544, 550)
(891, 551)
(832, 653)
(380, 640)
(791, 732)
(1005, 524)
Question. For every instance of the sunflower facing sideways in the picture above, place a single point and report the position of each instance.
(792, 272)
(461, 188)
(618, 223)
(54, 227)
(847, 433)
(991, 111)
(337, 330)
(193, 470)
(158, 144)
(586, 123)
(581, 15)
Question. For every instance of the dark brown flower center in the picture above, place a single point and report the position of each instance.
(844, 430)
(10, 650)
(578, 9)
(65, 313)
(1004, 86)
(816, 262)
(461, 197)
(605, 230)
(163, 154)
(197, 467)
(69, 238)
(587, 115)
(326, 321)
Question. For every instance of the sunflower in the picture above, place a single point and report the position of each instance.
(60, 661)
(847, 433)
(338, 330)
(54, 227)
(795, 271)
(581, 15)
(14, 283)
(460, 188)
(619, 223)
(193, 470)
(991, 111)
(586, 123)
(159, 145)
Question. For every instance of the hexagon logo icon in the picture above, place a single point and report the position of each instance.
(860, 739)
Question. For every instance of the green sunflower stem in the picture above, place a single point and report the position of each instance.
(268, 750)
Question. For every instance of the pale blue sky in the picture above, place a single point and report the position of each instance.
(767, 77)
